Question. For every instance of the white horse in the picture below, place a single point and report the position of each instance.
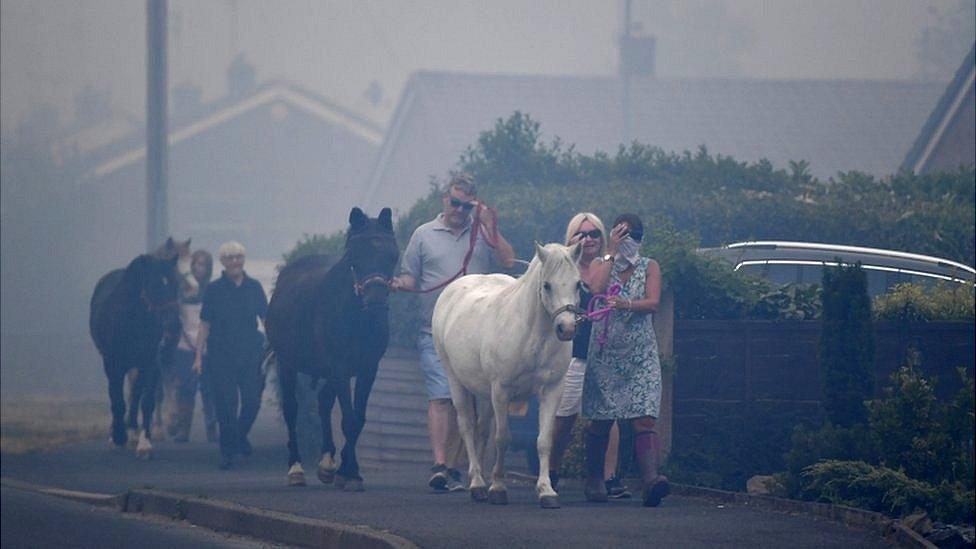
(502, 339)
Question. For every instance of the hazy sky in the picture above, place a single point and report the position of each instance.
(52, 48)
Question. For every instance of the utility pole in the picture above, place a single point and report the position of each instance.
(157, 215)
(625, 75)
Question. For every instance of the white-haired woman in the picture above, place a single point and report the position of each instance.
(587, 228)
(232, 306)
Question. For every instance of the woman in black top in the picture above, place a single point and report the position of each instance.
(587, 228)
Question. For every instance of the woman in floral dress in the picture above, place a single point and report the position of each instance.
(623, 376)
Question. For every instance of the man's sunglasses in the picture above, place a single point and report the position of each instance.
(466, 206)
(594, 234)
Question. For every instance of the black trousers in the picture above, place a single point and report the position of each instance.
(237, 384)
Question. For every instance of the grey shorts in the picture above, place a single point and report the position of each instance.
(435, 379)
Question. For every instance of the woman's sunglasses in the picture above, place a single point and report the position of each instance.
(594, 234)
(466, 206)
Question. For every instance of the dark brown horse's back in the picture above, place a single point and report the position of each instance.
(106, 285)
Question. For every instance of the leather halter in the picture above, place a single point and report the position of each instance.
(570, 308)
(359, 285)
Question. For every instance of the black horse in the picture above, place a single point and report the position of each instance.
(132, 309)
(332, 323)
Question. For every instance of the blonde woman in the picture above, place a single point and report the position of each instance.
(587, 228)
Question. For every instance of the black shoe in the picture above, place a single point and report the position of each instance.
(616, 489)
(226, 463)
(454, 481)
(245, 447)
(438, 480)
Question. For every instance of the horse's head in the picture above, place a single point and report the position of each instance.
(372, 254)
(157, 283)
(559, 286)
(184, 262)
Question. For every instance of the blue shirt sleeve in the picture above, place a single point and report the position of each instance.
(411, 263)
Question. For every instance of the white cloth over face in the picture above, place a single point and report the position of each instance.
(627, 254)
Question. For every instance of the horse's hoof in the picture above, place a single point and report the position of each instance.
(327, 469)
(327, 477)
(498, 497)
(296, 476)
(133, 438)
(479, 494)
(353, 485)
(145, 455)
(340, 482)
(549, 502)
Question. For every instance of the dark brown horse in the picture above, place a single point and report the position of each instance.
(332, 323)
(131, 311)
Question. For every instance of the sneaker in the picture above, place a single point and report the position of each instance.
(454, 481)
(438, 480)
(616, 489)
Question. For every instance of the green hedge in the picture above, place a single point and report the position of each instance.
(697, 199)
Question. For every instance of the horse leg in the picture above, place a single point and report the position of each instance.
(355, 411)
(288, 377)
(116, 395)
(549, 397)
(149, 376)
(135, 397)
(464, 406)
(327, 465)
(497, 492)
(483, 425)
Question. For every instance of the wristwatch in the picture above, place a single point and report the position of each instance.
(608, 258)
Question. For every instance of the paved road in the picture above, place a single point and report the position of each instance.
(397, 500)
(29, 519)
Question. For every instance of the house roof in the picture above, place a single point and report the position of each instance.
(943, 114)
(836, 125)
(133, 149)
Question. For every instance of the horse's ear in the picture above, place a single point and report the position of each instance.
(541, 252)
(169, 243)
(386, 219)
(577, 251)
(357, 219)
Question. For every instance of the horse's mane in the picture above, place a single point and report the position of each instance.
(537, 268)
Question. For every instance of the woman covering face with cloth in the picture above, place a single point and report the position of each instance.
(623, 376)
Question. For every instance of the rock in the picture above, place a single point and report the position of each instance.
(951, 536)
(764, 485)
(919, 522)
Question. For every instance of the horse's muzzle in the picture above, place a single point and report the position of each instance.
(566, 331)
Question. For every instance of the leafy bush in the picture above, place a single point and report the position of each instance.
(697, 199)
(333, 246)
(914, 452)
(912, 302)
(886, 490)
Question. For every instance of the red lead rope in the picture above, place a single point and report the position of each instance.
(476, 229)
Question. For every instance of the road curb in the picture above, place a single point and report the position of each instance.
(225, 516)
(887, 528)
(90, 498)
(890, 529)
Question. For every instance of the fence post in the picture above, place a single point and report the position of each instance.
(664, 329)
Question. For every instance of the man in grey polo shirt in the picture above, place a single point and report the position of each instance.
(435, 254)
